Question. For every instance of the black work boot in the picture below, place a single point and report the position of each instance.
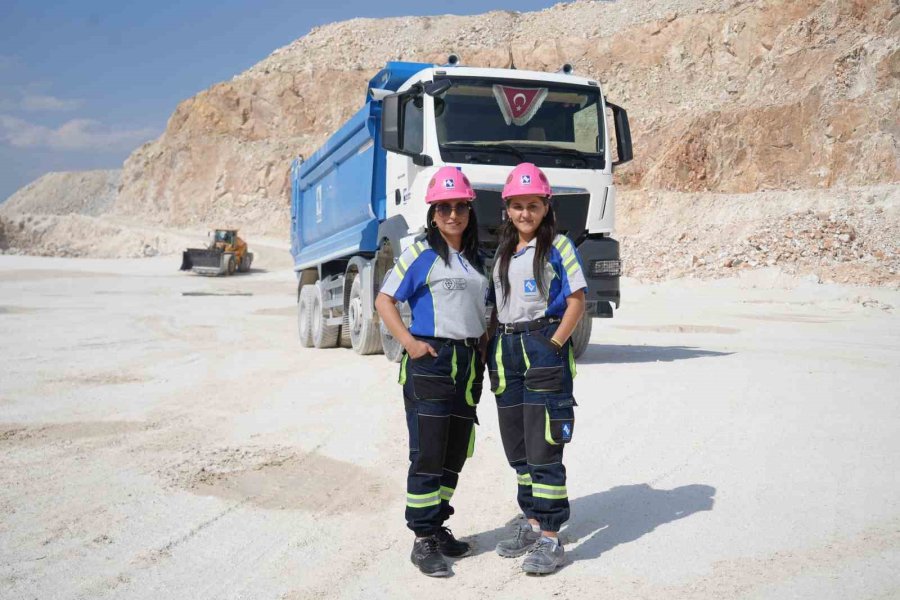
(449, 545)
(427, 556)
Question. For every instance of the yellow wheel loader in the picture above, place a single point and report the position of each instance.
(226, 254)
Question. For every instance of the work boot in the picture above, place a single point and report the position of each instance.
(427, 556)
(519, 545)
(449, 545)
(545, 557)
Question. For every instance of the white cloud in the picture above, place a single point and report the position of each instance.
(40, 102)
(76, 134)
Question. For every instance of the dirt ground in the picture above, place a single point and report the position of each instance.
(163, 435)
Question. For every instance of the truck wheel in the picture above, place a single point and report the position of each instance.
(393, 350)
(582, 335)
(365, 335)
(304, 315)
(232, 265)
(323, 335)
(245, 264)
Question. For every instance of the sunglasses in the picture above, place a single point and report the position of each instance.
(445, 209)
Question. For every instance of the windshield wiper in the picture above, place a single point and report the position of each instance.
(567, 151)
(489, 146)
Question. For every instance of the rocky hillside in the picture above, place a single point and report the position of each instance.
(79, 192)
(787, 103)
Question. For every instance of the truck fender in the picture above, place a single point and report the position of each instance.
(393, 230)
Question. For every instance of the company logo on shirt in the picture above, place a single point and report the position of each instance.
(455, 284)
(530, 287)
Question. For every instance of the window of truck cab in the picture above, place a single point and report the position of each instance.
(566, 131)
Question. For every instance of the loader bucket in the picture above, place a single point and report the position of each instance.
(186, 262)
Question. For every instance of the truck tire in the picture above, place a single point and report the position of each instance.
(245, 263)
(323, 335)
(365, 335)
(232, 265)
(582, 334)
(392, 349)
(304, 315)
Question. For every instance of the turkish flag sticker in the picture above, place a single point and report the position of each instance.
(519, 105)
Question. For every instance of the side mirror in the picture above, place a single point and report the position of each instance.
(623, 135)
(391, 123)
(402, 132)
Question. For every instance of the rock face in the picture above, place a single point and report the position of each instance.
(724, 97)
(790, 103)
(89, 193)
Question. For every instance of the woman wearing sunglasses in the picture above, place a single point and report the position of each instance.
(442, 278)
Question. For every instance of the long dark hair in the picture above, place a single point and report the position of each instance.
(507, 240)
(469, 239)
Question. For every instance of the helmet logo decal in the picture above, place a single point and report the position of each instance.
(449, 184)
(526, 179)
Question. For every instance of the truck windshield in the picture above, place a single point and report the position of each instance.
(508, 122)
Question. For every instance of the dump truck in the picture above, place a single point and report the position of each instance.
(358, 201)
(226, 254)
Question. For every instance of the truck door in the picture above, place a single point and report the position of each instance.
(402, 190)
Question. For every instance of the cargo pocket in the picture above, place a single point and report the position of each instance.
(560, 425)
(544, 379)
(432, 438)
(433, 387)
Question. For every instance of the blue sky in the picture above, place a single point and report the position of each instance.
(83, 83)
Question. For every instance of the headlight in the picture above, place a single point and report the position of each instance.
(605, 268)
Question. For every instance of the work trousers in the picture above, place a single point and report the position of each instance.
(532, 381)
(440, 395)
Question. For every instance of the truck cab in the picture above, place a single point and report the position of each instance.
(419, 117)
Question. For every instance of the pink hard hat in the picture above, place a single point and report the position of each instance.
(526, 180)
(449, 183)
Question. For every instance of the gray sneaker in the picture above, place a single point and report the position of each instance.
(519, 545)
(544, 557)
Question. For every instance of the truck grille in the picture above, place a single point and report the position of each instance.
(571, 214)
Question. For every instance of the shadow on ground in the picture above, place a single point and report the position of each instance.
(604, 520)
(613, 354)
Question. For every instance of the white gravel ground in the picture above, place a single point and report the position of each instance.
(735, 439)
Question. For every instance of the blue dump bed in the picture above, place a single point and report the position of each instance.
(337, 195)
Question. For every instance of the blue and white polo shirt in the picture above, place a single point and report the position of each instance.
(563, 276)
(446, 301)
